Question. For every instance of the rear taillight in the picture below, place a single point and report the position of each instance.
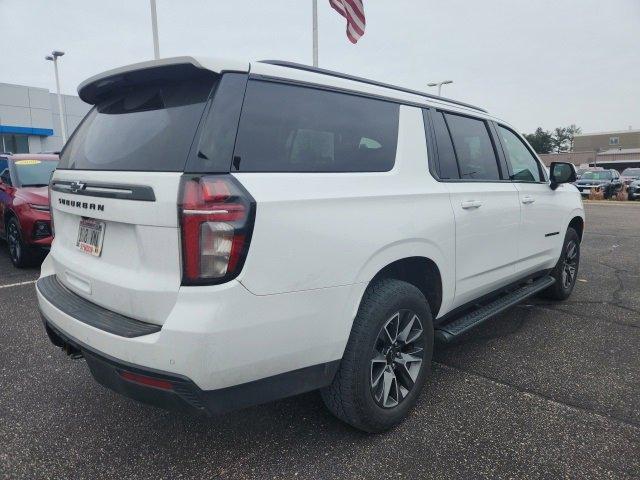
(216, 218)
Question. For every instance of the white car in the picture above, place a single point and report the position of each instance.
(229, 233)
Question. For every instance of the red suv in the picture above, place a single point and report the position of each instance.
(25, 219)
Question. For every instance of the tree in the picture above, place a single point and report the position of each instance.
(560, 139)
(572, 131)
(541, 140)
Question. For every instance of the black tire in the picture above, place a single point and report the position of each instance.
(20, 253)
(569, 257)
(351, 395)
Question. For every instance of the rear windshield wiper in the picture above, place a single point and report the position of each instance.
(35, 185)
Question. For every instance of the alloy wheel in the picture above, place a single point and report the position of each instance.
(397, 358)
(570, 265)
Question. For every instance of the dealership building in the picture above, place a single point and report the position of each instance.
(30, 118)
(618, 149)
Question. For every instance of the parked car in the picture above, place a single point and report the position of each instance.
(629, 175)
(25, 221)
(229, 233)
(634, 190)
(608, 180)
(582, 170)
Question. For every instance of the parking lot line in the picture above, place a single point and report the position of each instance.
(17, 284)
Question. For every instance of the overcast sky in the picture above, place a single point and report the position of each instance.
(532, 62)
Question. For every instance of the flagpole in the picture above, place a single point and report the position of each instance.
(315, 33)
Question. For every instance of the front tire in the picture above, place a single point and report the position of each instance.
(566, 270)
(20, 253)
(387, 358)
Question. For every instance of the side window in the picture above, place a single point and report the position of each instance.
(215, 148)
(523, 164)
(473, 147)
(446, 154)
(285, 128)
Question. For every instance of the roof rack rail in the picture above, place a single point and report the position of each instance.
(308, 68)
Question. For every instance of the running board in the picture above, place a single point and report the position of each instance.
(454, 328)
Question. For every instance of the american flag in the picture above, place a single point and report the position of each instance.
(353, 12)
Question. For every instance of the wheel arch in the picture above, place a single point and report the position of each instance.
(419, 262)
(421, 272)
(8, 215)
(577, 223)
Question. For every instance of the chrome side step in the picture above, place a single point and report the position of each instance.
(456, 327)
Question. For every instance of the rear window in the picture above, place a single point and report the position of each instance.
(146, 127)
(34, 173)
(597, 176)
(285, 128)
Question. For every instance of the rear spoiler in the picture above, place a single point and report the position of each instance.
(99, 86)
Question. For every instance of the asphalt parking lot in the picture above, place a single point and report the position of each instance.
(545, 390)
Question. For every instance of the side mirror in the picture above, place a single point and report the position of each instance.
(561, 172)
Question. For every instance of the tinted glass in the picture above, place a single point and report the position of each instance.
(476, 157)
(14, 143)
(146, 127)
(286, 128)
(34, 173)
(218, 136)
(524, 166)
(446, 155)
(596, 176)
(4, 163)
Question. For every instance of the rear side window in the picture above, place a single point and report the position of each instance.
(286, 128)
(474, 149)
(146, 127)
(524, 166)
(446, 154)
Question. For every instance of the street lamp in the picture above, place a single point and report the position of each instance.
(54, 58)
(154, 30)
(439, 85)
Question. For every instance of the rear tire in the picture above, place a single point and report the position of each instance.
(566, 270)
(387, 358)
(20, 253)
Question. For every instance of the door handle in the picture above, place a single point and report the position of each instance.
(471, 204)
(528, 199)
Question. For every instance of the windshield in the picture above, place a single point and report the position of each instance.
(34, 173)
(631, 172)
(148, 127)
(596, 176)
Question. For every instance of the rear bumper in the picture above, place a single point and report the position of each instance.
(178, 393)
(229, 346)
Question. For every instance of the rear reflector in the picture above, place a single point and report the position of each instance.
(216, 219)
(147, 381)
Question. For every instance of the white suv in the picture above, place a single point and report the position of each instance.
(228, 234)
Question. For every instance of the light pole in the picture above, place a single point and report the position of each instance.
(314, 7)
(54, 58)
(154, 29)
(439, 85)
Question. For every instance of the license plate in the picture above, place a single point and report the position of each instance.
(90, 236)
